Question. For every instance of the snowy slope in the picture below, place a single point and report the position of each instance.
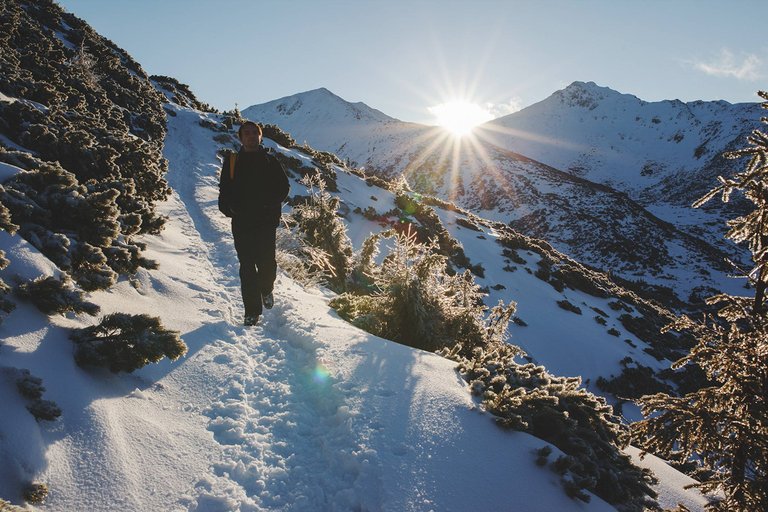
(666, 151)
(663, 244)
(303, 412)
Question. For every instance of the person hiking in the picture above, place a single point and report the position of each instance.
(252, 187)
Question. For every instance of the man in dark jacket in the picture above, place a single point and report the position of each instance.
(251, 192)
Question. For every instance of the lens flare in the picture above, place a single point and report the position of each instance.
(320, 374)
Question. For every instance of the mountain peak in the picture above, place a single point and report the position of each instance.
(320, 104)
(588, 95)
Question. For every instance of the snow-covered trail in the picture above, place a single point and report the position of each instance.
(318, 415)
(281, 397)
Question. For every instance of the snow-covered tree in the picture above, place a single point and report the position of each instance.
(723, 427)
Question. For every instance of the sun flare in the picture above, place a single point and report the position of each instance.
(459, 116)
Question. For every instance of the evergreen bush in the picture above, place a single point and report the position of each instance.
(6, 306)
(526, 397)
(304, 263)
(321, 227)
(95, 125)
(6, 506)
(123, 342)
(44, 410)
(414, 300)
(55, 296)
(273, 132)
(36, 493)
(31, 388)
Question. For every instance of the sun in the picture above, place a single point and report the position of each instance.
(459, 116)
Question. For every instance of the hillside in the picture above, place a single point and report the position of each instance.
(637, 234)
(238, 424)
(304, 411)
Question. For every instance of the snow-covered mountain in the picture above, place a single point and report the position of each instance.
(354, 131)
(625, 225)
(304, 412)
(656, 152)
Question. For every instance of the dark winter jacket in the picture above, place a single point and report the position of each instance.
(256, 192)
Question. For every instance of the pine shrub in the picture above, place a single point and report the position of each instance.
(634, 381)
(411, 297)
(6, 306)
(304, 263)
(44, 410)
(526, 397)
(723, 427)
(94, 165)
(568, 306)
(55, 296)
(273, 132)
(6, 506)
(36, 493)
(32, 389)
(123, 342)
(321, 227)
(29, 386)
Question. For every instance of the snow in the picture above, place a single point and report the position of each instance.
(8, 171)
(303, 412)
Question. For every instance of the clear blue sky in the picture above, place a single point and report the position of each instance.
(402, 57)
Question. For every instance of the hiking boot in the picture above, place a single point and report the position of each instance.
(250, 319)
(268, 300)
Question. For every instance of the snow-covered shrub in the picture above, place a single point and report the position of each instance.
(31, 388)
(96, 133)
(6, 506)
(55, 296)
(303, 262)
(273, 132)
(323, 162)
(568, 306)
(634, 381)
(36, 493)
(123, 342)
(6, 224)
(181, 94)
(91, 269)
(413, 298)
(44, 410)
(6, 305)
(321, 227)
(557, 409)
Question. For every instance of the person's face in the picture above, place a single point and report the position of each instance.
(250, 138)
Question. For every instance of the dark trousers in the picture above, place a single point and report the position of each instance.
(255, 246)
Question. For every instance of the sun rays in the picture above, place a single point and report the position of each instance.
(452, 162)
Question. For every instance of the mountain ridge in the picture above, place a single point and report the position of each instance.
(478, 174)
